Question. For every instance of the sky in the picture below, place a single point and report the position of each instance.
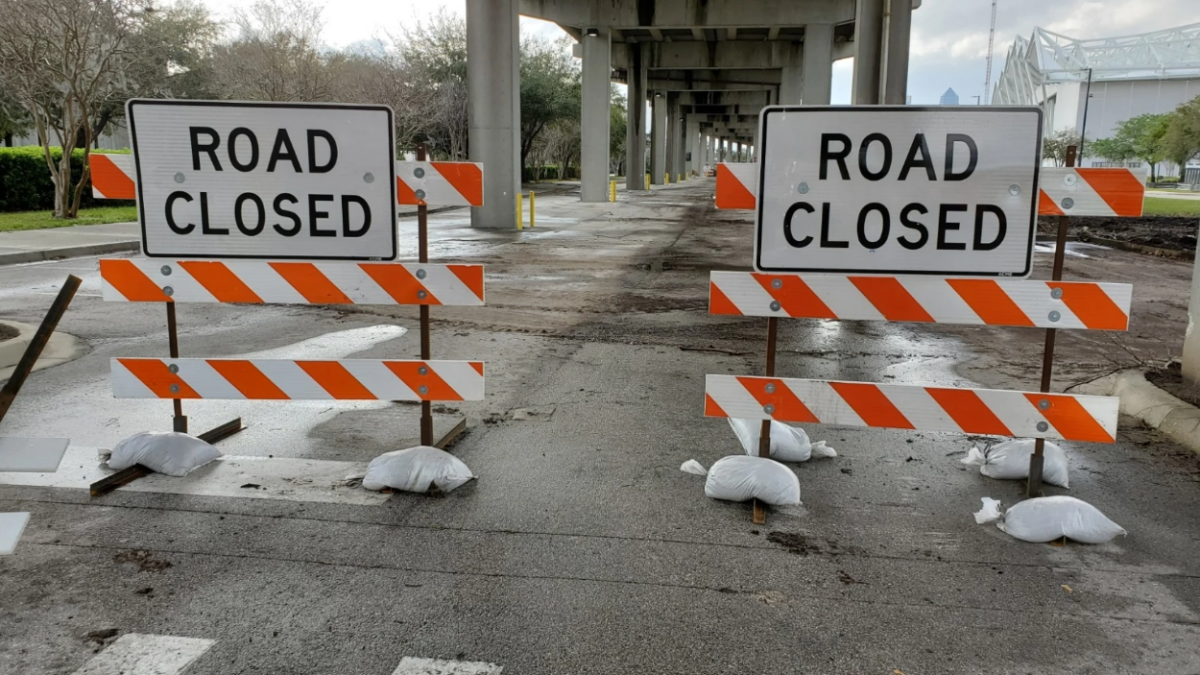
(949, 37)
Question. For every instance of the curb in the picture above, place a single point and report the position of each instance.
(1179, 420)
(68, 252)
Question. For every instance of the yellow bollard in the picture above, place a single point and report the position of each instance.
(647, 181)
(612, 190)
(532, 210)
(667, 178)
(520, 211)
(678, 178)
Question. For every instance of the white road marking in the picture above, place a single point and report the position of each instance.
(136, 654)
(299, 480)
(11, 527)
(415, 666)
(41, 455)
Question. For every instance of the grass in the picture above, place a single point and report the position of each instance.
(1162, 206)
(40, 220)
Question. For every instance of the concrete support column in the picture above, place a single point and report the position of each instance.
(899, 28)
(671, 132)
(868, 38)
(693, 148)
(635, 128)
(494, 107)
(818, 63)
(679, 133)
(658, 137)
(594, 116)
(791, 84)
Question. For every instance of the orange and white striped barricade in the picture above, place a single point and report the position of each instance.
(988, 412)
(949, 299)
(1063, 191)
(417, 183)
(313, 282)
(1082, 305)
(284, 380)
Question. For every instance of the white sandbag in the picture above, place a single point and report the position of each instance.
(1044, 519)
(693, 467)
(416, 470)
(1010, 461)
(738, 478)
(169, 452)
(788, 444)
(990, 512)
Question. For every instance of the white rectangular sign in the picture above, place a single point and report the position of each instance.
(898, 190)
(264, 180)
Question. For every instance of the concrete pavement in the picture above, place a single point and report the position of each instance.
(582, 548)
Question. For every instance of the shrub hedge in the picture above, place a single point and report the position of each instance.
(25, 183)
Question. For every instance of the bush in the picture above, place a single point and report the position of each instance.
(25, 183)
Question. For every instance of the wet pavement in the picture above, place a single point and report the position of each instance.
(582, 548)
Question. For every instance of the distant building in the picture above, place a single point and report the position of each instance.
(949, 98)
(1131, 76)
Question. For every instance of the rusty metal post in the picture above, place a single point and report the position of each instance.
(764, 436)
(180, 421)
(423, 248)
(25, 366)
(1034, 487)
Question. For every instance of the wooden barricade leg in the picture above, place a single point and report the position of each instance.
(1034, 487)
(764, 437)
(25, 366)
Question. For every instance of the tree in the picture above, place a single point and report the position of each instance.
(617, 128)
(276, 55)
(1055, 147)
(14, 120)
(62, 59)
(1181, 142)
(551, 88)
(1138, 137)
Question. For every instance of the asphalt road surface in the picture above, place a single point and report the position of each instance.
(582, 548)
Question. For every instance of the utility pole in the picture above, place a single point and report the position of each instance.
(987, 79)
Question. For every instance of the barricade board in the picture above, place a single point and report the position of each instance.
(291, 282)
(983, 302)
(284, 380)
(861, 404)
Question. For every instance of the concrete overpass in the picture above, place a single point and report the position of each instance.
(705, 67)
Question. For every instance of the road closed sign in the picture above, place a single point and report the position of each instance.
(264, 180)
(950, 191)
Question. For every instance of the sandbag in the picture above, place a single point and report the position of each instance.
(416, 470)
(788, 444)
(1010, 461)
(169, 452)
(1044, 519)
(738, 478)
(693, 467)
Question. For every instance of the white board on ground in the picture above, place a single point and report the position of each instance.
(414, 666)
(137, 654)
(41, 455)
(11, 527)
(264, 180)
(285, 478)
(898, 190)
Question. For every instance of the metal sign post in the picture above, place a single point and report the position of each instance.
(423, 256)
(1034, 487)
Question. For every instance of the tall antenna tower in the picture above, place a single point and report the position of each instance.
(987, 80)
